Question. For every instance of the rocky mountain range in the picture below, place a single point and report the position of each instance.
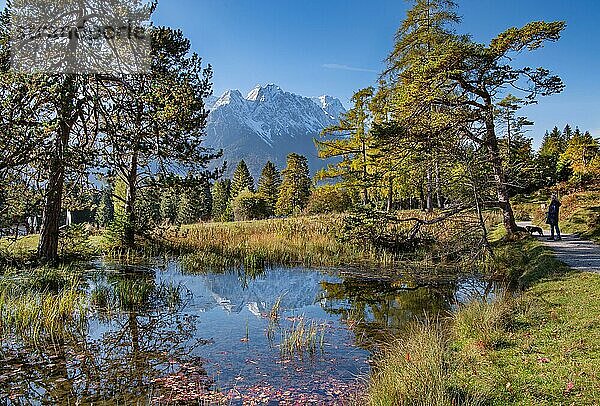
(268, 124)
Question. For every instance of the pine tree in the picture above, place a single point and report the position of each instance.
(105, 213)
(549, 164)
(516, 149)
(440, 79)
(567, 133)
(268, 186)
(169, 206)
(353, 144)
(186, 213)
(295, 187)
(242, 179)
(582, 157)
(221, 197)
(203, 204)
(195, 203)
(148, 209)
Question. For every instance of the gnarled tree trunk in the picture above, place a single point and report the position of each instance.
(491, 143)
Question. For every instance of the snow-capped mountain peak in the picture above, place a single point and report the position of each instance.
(268, 124)
(263, 93)
(229, 97)
(330, 105)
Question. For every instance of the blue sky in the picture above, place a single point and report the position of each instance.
(336, 47)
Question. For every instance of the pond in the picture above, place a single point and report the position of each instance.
(161, 334)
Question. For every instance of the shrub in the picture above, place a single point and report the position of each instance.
(329, 199)
(250, 206)
(74, 242)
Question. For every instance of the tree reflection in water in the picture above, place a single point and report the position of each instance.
(377, 309)
(142, 353)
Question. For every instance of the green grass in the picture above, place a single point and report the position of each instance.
(549, 352)
(74, 245)
(539, 347)
(42, 305)
(20, 250)
(415, 371)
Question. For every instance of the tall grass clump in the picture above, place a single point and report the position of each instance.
(308, 241)
(39, 317)
(42, 305)
(302, 338)
(413, 371)
(483, 324)
(417, 370)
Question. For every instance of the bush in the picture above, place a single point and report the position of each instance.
(329, 199)
(74, 242)
(250, 206)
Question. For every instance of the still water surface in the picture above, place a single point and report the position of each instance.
(158, 334)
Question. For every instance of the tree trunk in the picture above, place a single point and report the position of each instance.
(130, 218)
(365, 174)
(429, 189)
(48, 245)
(438, 191)
(491, 143)
(390, 200)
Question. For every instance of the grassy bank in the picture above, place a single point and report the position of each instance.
(542, 347)
(303, 241)
(315, 241)
(581, 215)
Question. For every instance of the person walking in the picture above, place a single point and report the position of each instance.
(552, 220)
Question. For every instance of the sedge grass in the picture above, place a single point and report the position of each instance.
(302, 338)
(39, 317)
(308, 241)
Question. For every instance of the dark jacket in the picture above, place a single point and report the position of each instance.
(553, 212)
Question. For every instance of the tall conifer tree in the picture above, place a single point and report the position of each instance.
(269, 184)
(295, 188)
(242, 179)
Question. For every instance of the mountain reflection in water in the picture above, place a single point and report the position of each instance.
(160, 334)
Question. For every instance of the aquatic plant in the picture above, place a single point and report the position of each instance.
(275, 309)
(302, 337)
(38, 317)
(273, 317)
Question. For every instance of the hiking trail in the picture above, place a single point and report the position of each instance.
(578, 254)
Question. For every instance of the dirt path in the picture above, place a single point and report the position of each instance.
(578, 254)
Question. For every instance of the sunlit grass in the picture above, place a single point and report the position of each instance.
(541, 347)
(39, 308)
(413, 371)
(294, 241)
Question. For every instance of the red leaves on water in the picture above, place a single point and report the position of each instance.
(328, 393)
